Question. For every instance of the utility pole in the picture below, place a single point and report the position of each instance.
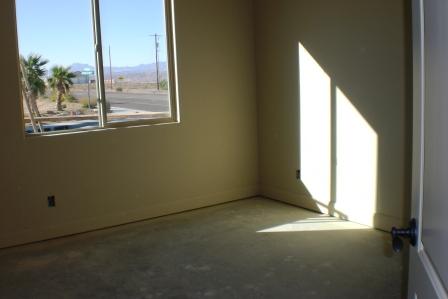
(110, 70)
(88, 89)
(156, 43)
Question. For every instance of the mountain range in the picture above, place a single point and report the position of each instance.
(139, 73)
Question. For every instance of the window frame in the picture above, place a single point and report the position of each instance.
(103, 123)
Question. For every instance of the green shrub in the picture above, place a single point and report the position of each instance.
(65, 98)
(85, 103)
(119, 89)
(53, 96)
(69, 98)
(164, 85)
(93, 104)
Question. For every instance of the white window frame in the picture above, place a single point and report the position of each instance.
(99, 67)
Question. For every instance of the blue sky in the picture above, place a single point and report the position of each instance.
(61, 30)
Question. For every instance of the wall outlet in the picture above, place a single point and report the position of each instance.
(298, 174)
(51, 201)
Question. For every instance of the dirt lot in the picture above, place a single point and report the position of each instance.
(48, 108)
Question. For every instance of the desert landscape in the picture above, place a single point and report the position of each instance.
(73, 104)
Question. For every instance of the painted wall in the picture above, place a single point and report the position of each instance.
(342, 69)
(225, 146)
(117, 176)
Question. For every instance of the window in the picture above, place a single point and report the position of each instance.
(95, 63)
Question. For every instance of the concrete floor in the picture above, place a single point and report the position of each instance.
(253, 248)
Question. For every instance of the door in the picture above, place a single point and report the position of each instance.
(428, 277)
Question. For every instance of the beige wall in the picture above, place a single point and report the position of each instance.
(225, 147)
(117, 176)
(363, 46)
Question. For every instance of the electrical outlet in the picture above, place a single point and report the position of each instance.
(51, 201)
(298, 174)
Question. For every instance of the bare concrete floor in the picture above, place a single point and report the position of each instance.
(253, 248)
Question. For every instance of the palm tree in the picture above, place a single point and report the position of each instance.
(33, 67)
(61, 81)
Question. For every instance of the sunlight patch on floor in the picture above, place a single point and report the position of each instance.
(324, 223)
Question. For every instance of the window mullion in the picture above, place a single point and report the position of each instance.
(100, 88)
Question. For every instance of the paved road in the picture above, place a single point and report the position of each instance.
(136, 101)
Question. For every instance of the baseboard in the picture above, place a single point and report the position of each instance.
(292, 198)
(385, 222)
(37, 234)
(381, 221)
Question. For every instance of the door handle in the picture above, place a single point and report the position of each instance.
(410, 233)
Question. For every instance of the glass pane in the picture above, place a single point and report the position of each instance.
(57, 59)
(135, 59)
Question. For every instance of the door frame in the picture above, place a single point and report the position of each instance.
(420, 263)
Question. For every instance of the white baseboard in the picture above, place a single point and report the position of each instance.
(164, 208)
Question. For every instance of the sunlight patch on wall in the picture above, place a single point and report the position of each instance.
(315, 224)
(357, 158)
(315, 127)
(338, 147)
